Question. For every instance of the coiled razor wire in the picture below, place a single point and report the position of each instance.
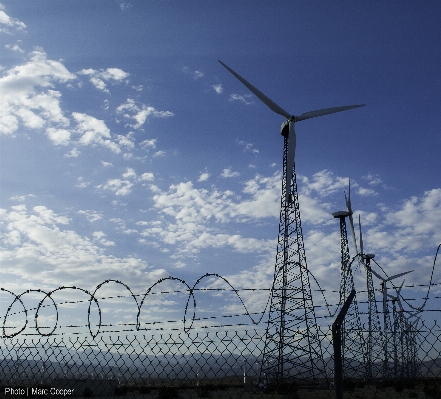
(188, 321)
(190, 299)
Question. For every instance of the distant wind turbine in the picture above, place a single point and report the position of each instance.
(386, 320)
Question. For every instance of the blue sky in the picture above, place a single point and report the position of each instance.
(128, 152)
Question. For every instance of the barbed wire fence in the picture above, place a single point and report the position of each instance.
(211, 356)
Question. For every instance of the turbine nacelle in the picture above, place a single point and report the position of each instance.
(340, 214)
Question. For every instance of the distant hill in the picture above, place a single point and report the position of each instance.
(90, 362)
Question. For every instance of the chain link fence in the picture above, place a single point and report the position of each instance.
(121, 352)
(207, 364)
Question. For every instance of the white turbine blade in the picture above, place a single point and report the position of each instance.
(399, 275)
(351, 220)
(377, 275)
(361, 236)
(262, 97)
(351, 225)
(290, 158)
(348, 198)
(401, 286)
(400, 305)
(398, 291)
(325, 111)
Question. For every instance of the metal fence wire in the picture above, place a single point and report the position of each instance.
(208, 364)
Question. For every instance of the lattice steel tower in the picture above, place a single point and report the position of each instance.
(374, 341)
(353, 345)
(374, 338)
(292, 347)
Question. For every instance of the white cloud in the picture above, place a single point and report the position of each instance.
(92, 216)
(245, 98)
(127, 141)
(324, 183)
(248, 146)
(130, 231)
(58, 136)
(114, 74)
(192, 209)
(99, 237)
(82, 183)
(93, 131)
(403, 239)
(28, 95)
(98, 78)
(6, 21)
(147, 176)
(366, 192)
(140, 113)
(130, 173)
(14, 47)
(149, 143)
(195, 74)
(38, 247)
(125, 6)
(229, 173)
(416, 223)
(373, 180)
(218, 88)
(159, 154)
(198, 74)
(73, 153)
(179, 265)
(118, 203)
(124, 186)
(8, 124)
(200, 216)
(118, 186)
(203, 177)
(22, 197)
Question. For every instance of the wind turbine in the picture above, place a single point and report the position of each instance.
(384, 288)
(352, 335)
(409, 353)
(292, 313)
(374, 332)
(290, 120)
(351, 332)
(386, 320)
(398, 318)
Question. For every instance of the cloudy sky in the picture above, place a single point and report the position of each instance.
(128, 152)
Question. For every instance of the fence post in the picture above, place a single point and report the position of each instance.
(336, 343)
